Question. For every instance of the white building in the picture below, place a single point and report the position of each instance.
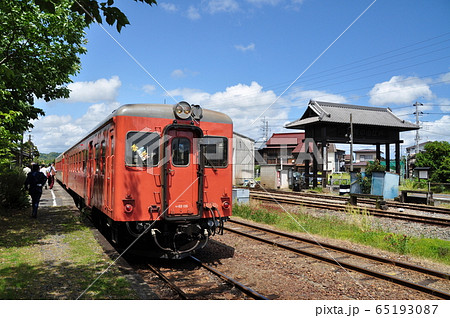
(243, 159)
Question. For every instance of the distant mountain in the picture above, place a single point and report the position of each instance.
(47, 157)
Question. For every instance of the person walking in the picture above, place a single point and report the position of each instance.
(51, 172)
(33, 183)
(44, 171)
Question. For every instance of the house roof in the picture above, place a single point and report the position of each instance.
(289, 139)
(326, 112)
(242, 136)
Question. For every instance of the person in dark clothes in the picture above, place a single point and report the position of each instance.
(34, 182)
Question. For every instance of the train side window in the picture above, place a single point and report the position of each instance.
(142, 149)
(112, 146)
(103, 156)
(181, 147)
(215, 151)
(97, 158)
(84, 160)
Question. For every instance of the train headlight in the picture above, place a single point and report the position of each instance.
(226, 204)
(182, 110)
(128, 208)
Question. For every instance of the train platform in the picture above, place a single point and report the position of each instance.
(58, 255)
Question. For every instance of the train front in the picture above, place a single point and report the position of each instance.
(182, 162)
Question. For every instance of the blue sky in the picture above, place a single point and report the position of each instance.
(247, 57)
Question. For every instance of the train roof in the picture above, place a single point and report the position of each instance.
(161, 111)
(158, 111)
(166, 111)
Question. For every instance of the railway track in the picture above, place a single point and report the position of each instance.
(407, 275)
(345, 199)
(341, 207)
(196, 280)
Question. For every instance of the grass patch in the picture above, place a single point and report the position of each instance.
(54, 257)
(357, 228)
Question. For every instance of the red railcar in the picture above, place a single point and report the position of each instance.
(160, 173)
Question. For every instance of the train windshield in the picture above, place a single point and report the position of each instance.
(142, 149)
(181, 147)
(215, 151)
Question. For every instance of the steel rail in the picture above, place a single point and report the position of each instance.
(349, 251)
(174, 287)
(246, 290)
(340, 207)
(418, 207)
(360, 269)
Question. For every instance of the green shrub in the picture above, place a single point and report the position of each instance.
(12, 191)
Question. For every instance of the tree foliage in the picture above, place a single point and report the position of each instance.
(40, 46)
(91, 10)
(437, 157)
(39, 51)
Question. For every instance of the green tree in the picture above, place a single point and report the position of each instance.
(91, 10)
(437, 157)
(40, 45)
(39, 51)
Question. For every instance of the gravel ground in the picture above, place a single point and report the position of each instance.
(386, 224)
(279, 274)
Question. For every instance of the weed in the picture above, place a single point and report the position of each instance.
(359, 227)
(360, 218)
(398, 242)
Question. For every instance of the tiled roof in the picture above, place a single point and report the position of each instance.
(340, 113)
(285, 139)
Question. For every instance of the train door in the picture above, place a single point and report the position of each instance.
(109, 172)
(90, 174)
(183, 183)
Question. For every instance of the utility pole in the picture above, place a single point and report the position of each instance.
(265, 129)
(351, 143)
(417, 113)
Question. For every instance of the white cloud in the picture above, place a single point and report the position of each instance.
(444, 104)
(149, 89)
(57, 133)
(445, 78)
(400, 90)
(301, 98)
(168, 7)
(91, 92)
(243, 103)
(250, 47)
(193, 13)
(215, 6)
(178, 74)
(95, 114)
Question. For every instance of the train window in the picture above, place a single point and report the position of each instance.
(97, 158)
(181, 148)
(103, 156)
(142, 149)
(215, 151)
(84, 160)
(111, 148)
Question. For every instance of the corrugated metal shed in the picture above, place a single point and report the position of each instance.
(325, 112)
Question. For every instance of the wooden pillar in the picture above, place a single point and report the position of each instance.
(324, 164)
(314, 172)
(378, 152)
(307, 162)
(388, 156)
(397, 157)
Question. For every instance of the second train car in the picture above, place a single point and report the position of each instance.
(160, 173)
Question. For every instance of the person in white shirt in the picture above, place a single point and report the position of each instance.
(44, 171)
(51, 172)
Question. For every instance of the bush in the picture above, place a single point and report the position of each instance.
(12, 191)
